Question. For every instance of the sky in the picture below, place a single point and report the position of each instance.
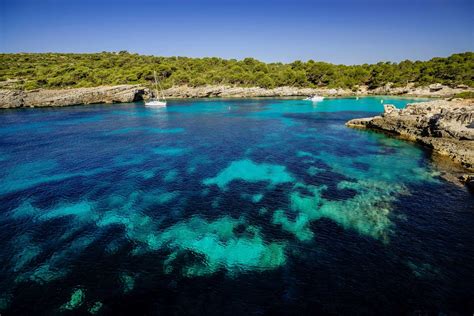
(337, 31)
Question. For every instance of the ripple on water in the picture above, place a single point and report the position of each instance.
(170, 151)
(153, 130)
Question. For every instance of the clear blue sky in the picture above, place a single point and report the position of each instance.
(338, 31)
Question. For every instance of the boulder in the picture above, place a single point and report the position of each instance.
(435, 87)
(389, 108)
(468, 180)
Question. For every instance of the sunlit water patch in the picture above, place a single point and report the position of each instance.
(261, 206)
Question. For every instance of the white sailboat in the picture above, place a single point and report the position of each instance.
(315, 98)
(156, 102)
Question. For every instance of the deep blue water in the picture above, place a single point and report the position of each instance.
(223, 207)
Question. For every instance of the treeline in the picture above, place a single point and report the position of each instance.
(54, 70)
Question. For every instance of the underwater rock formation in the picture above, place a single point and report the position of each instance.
(77, 298)
(250, 171)
(445, 126)
(65, 97)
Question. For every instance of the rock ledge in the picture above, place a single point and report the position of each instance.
(445, 126)
(65, 97)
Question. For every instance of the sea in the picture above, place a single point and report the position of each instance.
(227, 207)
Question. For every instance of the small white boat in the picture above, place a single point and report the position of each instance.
(314, 98)
(156, 102)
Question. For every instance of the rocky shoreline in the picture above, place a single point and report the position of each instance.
(130, 93)
(447, 127)
(67, 97)
(434, 90)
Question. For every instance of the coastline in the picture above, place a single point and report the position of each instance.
(75, 96)
(446, 127)
(130, 93)
(431, 91)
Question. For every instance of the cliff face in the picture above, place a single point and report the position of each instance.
(435, 90)
(249, 92)
(44, 98)
(130, 93)
(445, 126)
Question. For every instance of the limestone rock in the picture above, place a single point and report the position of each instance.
(468, 180)
(249, 92)
(436, 90)
(435, 87)
(44, 98)
(433, 90)
(11, 99)
(129, 93)
(359, 122)
(445, 126)
(389, 108)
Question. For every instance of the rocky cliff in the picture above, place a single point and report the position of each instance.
(249, 92)
(43, 98)
(434, 90)
(445, 126)
(129, 93)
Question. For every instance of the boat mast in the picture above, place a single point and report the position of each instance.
(156, 83)
(162, 93)
(156, 87)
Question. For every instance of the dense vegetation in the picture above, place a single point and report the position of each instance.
(30, 71)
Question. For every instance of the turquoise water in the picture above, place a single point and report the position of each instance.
(256, 206)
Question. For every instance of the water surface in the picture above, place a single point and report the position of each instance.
(259, 206)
